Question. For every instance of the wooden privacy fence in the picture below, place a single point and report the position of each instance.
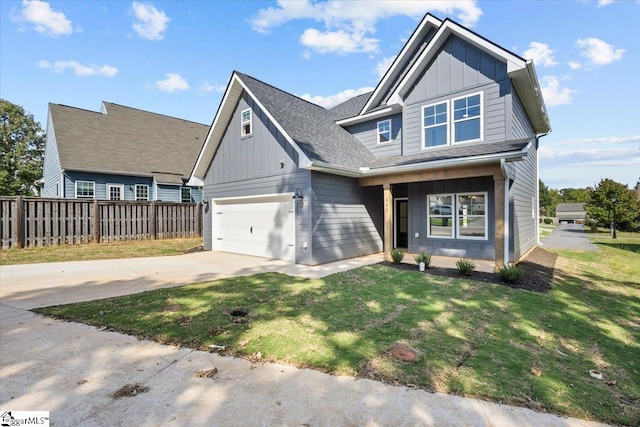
(34, 221)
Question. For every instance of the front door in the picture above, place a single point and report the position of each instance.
(401, 224)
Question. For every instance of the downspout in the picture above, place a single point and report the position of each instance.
(538, 187)
(506, 213)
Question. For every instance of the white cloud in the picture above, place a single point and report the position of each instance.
(150, 23)
(599, 52)
(553, 93)
(541, 54)
(602, 3)
(601, 141)
(341, 42)
(348, 25)
(383, 65)
(172, 82)
(44, 19)
(332, 100)
(575, 65)
(207, 87)
(79, 69)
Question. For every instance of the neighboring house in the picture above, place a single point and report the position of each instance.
(441, 157)
(572, 213)
(120, 153)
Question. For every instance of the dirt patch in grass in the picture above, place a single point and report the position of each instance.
(538, 267)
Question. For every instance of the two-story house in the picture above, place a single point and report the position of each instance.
(441, 157)
(120, 153)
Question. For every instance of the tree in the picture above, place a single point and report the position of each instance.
(600, 205)
(575, 195)
(546, 200)
(21, 151)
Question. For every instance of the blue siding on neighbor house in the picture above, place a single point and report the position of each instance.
(168, 193)
(101, 181)
(52, 172)
(479, 249)
(347, 220)
(459, 69)
(367, 134)
(252, 166)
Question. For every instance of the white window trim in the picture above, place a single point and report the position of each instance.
(486, 216)
(135, 195)
(190, 194)
(453, 216)
(120, 186)
(85, 197)
(242, 123)
(378, 132)
(447, 124)
(454, 121)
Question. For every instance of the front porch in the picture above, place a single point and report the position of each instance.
(411, 224)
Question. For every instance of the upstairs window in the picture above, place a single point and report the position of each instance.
(384, 131)
(142, 192)
(85, 189)
(185, 195)
(245, 123)
(467, 118)
(435, 125)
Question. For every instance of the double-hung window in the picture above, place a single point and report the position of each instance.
(185, 195)
(85, 189)
(457, 216)
(115, 191)
(384, 131)
(467, 118)
(435, 125)
(142, 192)
(451, 122)
(245, 122)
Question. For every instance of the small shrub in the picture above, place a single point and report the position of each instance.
(423, 257)
(397, 256)
(466, 266)
(511, 274)
(548, 221)
(593, 225)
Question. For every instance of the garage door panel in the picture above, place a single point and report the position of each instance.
(263, 229)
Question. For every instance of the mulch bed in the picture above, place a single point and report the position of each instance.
(537, 266)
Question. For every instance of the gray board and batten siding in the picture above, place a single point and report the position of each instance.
(459, 69)
(367, 134)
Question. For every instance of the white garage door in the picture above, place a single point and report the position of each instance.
(260, 226)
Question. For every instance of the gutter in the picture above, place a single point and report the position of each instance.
(505, 258)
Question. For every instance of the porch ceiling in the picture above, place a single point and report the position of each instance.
(469, 171)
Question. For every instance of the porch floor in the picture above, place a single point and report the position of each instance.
(484, 265)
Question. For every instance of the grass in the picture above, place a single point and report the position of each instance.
(93, 251)
(472, 339)
(546, 229)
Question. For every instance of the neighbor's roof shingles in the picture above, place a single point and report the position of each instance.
(125, 141)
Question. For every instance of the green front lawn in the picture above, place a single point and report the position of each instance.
(472, 339)
(94, 251)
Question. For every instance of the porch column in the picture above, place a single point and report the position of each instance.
(498, 212)
(388, 221)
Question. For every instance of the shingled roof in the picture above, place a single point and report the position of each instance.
(126, 141)
(351, 107)
(310, 126)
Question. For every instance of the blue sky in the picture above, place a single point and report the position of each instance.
(175, 58)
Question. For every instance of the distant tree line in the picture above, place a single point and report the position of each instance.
(599, 203)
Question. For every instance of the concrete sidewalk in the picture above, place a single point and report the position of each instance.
(72, 370)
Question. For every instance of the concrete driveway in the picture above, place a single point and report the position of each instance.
(569, 236)
(72, 370)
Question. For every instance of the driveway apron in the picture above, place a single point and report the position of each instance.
(73, 370)
(569, 236)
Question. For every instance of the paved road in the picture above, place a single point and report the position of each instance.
(569, 236)
(72, 370)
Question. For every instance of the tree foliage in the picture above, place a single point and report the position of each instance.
(600, 204)
(21, 151)
(547, 200)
